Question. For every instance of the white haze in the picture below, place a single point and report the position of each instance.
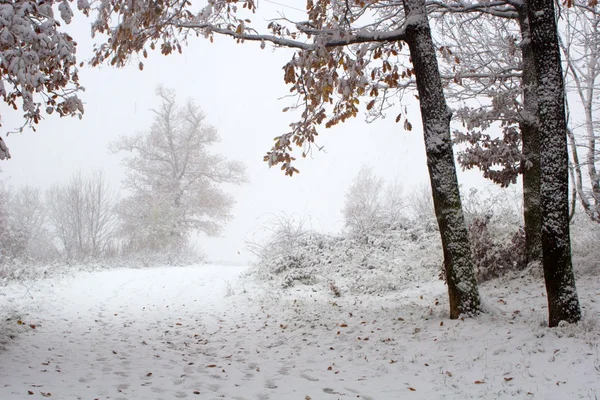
(239, 87)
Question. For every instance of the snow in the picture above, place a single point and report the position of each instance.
(211, 332)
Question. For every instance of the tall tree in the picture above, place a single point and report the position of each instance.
(563, 303)
(541, 51)
(82, 214)
(580, 46)
(355, 50)
(363, 209)
(489, 60)
(174, 180)
(27, 212)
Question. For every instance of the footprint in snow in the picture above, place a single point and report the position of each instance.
(308, 377)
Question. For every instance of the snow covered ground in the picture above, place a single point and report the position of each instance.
(204, 332)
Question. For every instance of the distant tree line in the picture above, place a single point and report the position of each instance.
(173, 189)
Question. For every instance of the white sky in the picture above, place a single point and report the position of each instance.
(238, 87)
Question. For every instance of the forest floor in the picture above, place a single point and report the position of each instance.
(209, 332)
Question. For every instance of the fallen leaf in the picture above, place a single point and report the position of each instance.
(508, 378)
(32, 326)
(449, 373)
(211, 366)
(196, 392)
(344, 325)
(441, 323)
(46, 394)
(479, 382)
(329, 368)
(114, 352)
(149, 374)
(393, 361)
(29, 392)
(412, 389)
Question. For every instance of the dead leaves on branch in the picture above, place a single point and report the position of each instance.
(328, 82)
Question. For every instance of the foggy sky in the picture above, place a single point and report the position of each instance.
(239, 87)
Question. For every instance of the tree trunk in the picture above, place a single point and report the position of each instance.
(563, 303)
(460, 275)
(530, 133)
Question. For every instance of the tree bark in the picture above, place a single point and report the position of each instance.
(435, 114)
(563, 303)
(530, 133)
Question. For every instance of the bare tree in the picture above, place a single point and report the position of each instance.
(174, 180)
(581, 51)
(7, 236)
(27, 211)
(364, 208)
(82, 214)
(354, 50)
(420, 205)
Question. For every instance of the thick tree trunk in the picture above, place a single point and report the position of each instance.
(563, 303)
(532, 213)
(460, 274)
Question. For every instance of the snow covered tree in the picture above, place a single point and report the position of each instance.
(581, 51)
(28, 213)
(488, 58)
(38, 67)
(345, 51)
(174, 180)
(563, 303)
(6, 234)
(82, 214)
(363, 209)
(371, 204)
(541, 117)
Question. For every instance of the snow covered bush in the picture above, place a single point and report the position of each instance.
(585, 237)
(372, 262)
(495, 232)
(494, 256)
(381, 254)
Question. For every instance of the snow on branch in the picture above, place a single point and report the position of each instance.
(344, 51)
(38, 67)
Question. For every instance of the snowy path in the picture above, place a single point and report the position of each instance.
(176, 333)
